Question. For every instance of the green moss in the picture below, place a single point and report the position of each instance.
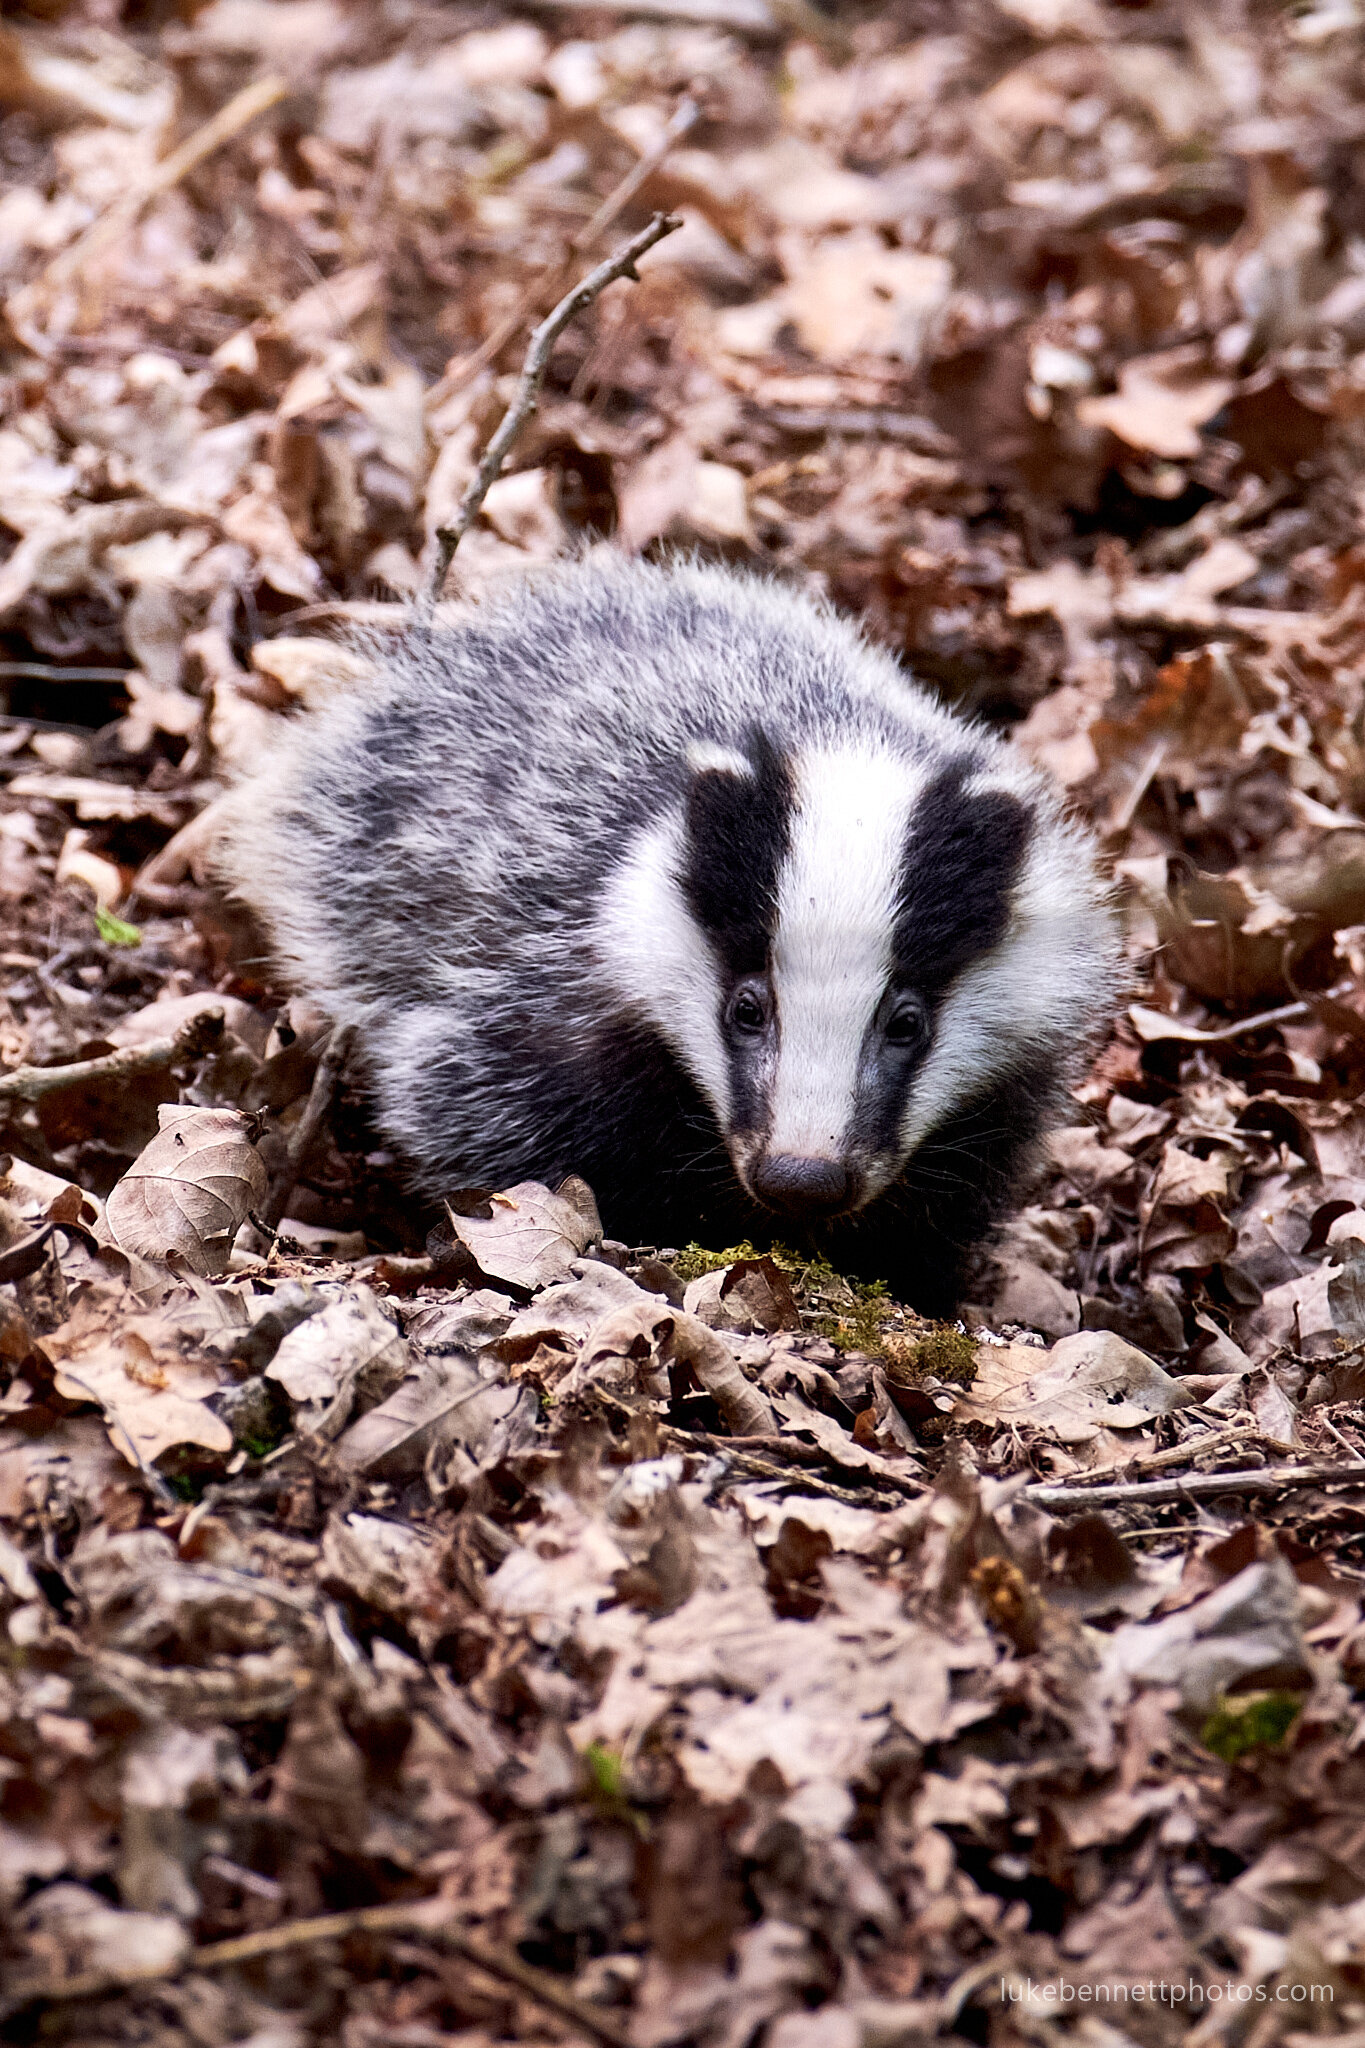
(860, 1328)
(694, 1259)
(258, 1445)
(942, 1353)
(856, 1309)
(1247, 1721)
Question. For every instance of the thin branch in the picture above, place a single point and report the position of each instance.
(194, 1038)
(243, 108)
(329, 1072)
(622, 264)
(683, 117)
(1164, 1493)
(418, 1914)
(1242, 1435)
(551, 276)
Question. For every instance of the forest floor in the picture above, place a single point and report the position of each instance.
(408, 1642)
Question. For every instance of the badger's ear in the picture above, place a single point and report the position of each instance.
(708, 757)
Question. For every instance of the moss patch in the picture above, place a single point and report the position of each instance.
(1254, 1720)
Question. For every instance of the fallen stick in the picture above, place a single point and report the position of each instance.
(417, 1914)
(329, 1072)
(552, 275)
(622, 264)
(230, 119)
(194, 1038)
(1242, 1434)
(1161, 1493)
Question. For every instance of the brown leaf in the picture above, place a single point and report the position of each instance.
(1083, 1384)
(1161, 403)
(530, 1236)
(187, 1195)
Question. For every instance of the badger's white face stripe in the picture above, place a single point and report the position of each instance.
(832, 949)
(657, 956)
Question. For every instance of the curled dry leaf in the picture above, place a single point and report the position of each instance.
(349, 1354)
(188, 1193)
(1248, 1631)
(1084, 1384)
(530, 1236)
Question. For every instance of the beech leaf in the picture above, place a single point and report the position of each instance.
(187, 1194)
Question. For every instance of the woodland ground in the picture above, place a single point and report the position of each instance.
(656, 1649)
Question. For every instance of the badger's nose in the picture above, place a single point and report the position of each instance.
(801, 1187)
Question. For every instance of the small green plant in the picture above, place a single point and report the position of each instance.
(606, 1772)
(113, 930)
(607, 1788)
(1247, 1721)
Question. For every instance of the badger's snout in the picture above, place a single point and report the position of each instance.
(802, 1187)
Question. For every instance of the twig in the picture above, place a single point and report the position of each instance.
(1162, 1493)
(682, 118)
(787, 1459)
(502, 1963)
(1182, 1453)
(862, 423)
(622, 264)
(240, 110)
(191, 1042)
(319, 1101)
(551, 276)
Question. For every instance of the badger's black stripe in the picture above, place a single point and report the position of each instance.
(962, 859)
(738, 828)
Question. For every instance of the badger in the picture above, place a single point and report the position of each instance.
(665, 877)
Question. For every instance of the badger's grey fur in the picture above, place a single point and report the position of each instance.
(665, 877)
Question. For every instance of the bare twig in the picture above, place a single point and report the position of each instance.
(622, 264)
(1155, 1024)
(1163, 1493)
(862, 423)
(550, 279)
(329, 1071)
(1235, 1435)
(191, 1042)
(787, 1459)
(761, 21)
(243, 108)
(682, 118)
(417, 1914)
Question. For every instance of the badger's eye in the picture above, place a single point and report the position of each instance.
(748, 1011)
(906, 1022)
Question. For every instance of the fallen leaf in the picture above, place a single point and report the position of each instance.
(1081, 1385)
(189, 1192)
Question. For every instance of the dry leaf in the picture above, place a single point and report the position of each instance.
(1083, 1384)
(186, 1196)
(530, 1236)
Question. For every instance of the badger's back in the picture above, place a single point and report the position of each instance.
(479, 789)
(486, 862)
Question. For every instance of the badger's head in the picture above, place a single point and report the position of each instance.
(845, 945)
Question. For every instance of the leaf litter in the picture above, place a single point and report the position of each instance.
(477, 1627)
